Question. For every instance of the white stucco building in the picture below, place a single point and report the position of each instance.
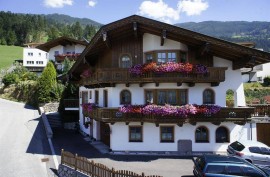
(61, 48)
(108, 85)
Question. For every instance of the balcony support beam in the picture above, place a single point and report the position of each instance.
(163, 37)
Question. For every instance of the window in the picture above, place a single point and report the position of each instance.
(56, 53)
(125, 61)
(39, 54)
(208, 96)
(30, 54)
(183, 57)
(201, 135)
(163, 57)
(84, 97)
(166, 96)
(135, 133)
(234, 170)
(255, 149)
(149, 96)
(125, 97)
(216, 169)
(149, 57)
(222, 135)
(251, 172)
(166, 134)
(172, 57)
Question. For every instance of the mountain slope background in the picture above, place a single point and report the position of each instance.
(234, 31)
(18, 29)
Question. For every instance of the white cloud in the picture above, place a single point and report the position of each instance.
(57, 3)
(192, 7)
(158, 10)
(161, 11)
(92, 3)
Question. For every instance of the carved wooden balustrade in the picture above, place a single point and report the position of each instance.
(122, 76)
(238, 115)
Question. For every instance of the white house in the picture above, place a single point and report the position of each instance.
(151, 86)
(34, 59)
(61, 48)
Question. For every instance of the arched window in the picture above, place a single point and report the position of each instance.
(201, 135)
(125, 61)
(208, 96)
(125, 97)
(222, 135)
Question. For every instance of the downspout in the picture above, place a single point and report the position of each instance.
(250, 126)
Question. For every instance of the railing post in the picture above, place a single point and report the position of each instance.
(113, 173)
(142, 174)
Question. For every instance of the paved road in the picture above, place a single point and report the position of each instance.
(22, 141)
(150, 165)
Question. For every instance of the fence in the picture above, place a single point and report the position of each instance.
(93, 169)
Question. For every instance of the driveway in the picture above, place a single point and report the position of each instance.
(151, 165)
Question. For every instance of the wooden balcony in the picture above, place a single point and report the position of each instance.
(71, 104)
(239, 116)
(61, 57)
(109, 77)
(260, 110)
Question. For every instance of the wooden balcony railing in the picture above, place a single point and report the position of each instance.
(61, 57)
(121, 75)
(260, 110)
(239, 115)
(71, 103)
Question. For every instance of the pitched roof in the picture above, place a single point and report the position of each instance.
(240, 55)
(60, 41)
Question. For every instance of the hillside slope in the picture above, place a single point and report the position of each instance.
(8, 54)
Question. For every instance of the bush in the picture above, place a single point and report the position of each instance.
(10, 78)
(46, 82)
(266, 81)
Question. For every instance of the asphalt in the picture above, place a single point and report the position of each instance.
(76, 143)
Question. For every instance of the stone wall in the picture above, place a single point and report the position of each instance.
(65, 171)
(50, 107)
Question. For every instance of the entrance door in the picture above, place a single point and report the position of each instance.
(184, 146)
(105, 133)
(263, 132)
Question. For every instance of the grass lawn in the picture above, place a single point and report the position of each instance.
(8, 54)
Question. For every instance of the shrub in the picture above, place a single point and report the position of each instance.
(266, 81)
(46, 82)
(10, 78)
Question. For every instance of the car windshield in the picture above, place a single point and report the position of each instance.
(237, 146)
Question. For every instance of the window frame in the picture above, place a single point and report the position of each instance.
(227, 135)
(178, 53)
(161, 132)
(178, 94)
(213, 98)
(141, 132)
(207, 135)
(130, 95)
(121, 62)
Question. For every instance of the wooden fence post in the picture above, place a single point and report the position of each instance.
(62, 154)
(113, 172)
(75, 164)
(142, 174)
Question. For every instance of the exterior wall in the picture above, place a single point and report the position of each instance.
(151, 137)
(79, 48)
(265, 71)
(52, 51)
(152, 42)
(38, 55)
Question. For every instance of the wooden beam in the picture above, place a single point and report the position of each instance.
(216, 123)
(157, 124)
(180, 124)
(141, 84)
(157, 84)
(135, 29)
(193, 123)
(127, 123)
(142, 123)
(106, 39)
(191, 84)
(204, 49)
(179, 84)
(214, 84)
(127, 84)
(163, 37)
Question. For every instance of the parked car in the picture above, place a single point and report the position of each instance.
(225, 166)
(253, 151)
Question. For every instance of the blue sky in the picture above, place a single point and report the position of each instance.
(170, 11)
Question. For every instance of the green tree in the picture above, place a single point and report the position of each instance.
(46, 83)
(67, 64)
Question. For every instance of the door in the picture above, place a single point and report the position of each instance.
(263, 132)
(105, 133)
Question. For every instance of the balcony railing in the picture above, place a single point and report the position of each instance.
(61, 57)
(111, 115)
(260, 110)
(121, 75)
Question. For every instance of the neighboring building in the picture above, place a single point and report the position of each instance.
(61, 48)
(104, 74)
(34, 59)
